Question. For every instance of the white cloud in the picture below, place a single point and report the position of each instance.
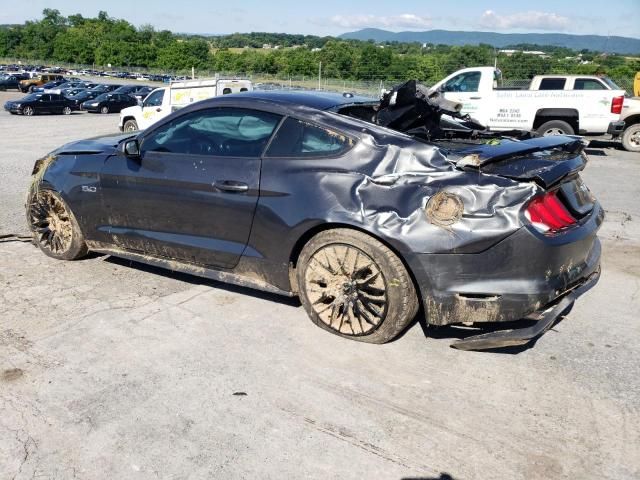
(406, 21)
(525, 20)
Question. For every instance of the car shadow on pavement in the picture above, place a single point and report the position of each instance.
(601, 145)
(443, 476)
(195, 280)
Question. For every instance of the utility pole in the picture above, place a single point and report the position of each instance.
(320, 76)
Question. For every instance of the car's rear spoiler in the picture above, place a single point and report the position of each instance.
(546, 160)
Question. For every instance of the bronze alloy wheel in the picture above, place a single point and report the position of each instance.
(346, 289)
(353, 286)
(55, 229)
(51, 222)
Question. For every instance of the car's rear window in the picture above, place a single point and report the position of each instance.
(296, 138)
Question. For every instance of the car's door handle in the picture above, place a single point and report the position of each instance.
(231, 186)
(158, 109)
(475, 98)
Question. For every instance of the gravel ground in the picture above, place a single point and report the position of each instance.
(110, 369)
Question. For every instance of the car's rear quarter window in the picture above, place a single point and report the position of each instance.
(296, 138)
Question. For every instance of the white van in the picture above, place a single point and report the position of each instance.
(163, 101)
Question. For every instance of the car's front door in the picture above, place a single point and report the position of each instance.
(57, 103)
(464, 88)
(152, 109)
(43, 104)
(192, 194)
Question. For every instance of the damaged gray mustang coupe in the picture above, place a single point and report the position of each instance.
(370, 211)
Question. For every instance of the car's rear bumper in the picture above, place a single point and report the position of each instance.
(616, 128)
(522, 274)
(544, 320)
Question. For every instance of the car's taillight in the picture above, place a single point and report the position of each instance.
(547, 213)
(616, 105)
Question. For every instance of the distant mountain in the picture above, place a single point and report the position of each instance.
(598, 43)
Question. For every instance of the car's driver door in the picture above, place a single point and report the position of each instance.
(192, 194)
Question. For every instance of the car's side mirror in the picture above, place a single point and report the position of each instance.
(131, 148)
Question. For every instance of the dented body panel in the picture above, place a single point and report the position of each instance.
(457, 224)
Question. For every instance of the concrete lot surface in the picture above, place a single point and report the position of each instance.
(114, 370)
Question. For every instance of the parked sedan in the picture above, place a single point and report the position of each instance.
(137, 91)
(128, 89)
(366, 210)
(10, 81)
(142, 93)
(109, 103)
(41, 103)
(83, 96)
(57, 86)
(105, 87)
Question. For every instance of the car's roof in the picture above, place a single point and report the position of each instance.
(312, 99)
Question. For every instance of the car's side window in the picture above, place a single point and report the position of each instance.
(299, 139)
(226, 132)
(155, 99)
(465, 82)
(588, 84)
(552, 83)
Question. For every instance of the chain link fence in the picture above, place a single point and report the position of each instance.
(371, 85)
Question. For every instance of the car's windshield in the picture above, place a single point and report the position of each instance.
(102, 97)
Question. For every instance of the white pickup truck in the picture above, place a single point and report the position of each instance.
(552, 105)
(163, 101)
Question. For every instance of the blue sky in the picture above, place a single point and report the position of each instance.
(332, 17)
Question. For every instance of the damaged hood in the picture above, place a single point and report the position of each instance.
(95, 145)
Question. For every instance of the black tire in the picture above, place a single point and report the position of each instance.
(104, 109)
(353, 286)
(631, 138)
(31, 88)
(28, 111)
(66, 111)
(555, 127)
(130, 126)
(53, 225)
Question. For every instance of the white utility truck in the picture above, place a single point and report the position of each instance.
(552, 105)
(163, 101)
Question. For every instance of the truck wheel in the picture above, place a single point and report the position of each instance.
(354, 286)
(130, 126)
(555, 127)
(631, 138)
